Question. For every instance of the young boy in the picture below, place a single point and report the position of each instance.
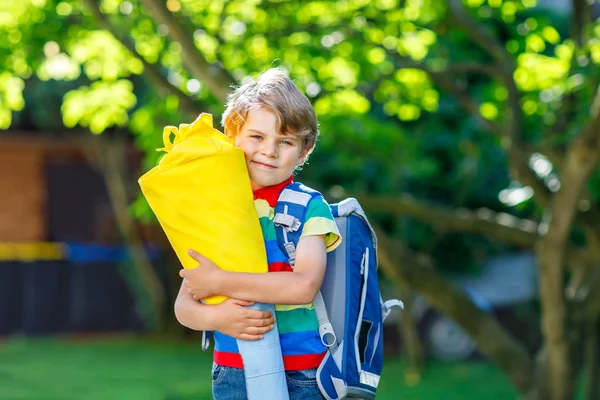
(276, 127)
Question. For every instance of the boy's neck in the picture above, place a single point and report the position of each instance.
(271, 193)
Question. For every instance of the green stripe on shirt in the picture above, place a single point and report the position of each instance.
(318, 208)
(297, 320)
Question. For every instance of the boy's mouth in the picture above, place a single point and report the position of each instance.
(268, 166)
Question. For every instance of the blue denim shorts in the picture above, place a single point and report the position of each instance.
(229, 384)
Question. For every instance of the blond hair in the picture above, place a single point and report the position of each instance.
(274, 91)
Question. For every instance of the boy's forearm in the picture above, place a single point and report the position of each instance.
(193, 314)
(271, 287)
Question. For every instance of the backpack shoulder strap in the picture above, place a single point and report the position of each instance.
(290, 213)
(289, 219)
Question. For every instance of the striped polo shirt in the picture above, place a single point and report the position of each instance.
(298, 325)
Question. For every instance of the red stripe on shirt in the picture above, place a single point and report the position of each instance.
(337, 239)
(271, 193)
(291, 363)
(280, 267)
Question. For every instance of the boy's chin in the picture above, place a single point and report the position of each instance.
(262, 183)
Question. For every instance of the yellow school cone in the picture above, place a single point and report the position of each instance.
(200, 192)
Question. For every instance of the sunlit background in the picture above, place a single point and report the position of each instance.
(468, 130)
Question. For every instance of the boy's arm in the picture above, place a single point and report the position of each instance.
(230, 317)
(297, 287)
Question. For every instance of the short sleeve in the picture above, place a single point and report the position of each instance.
(320, 221)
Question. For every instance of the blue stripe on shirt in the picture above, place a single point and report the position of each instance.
(293, 343)
(274, 253)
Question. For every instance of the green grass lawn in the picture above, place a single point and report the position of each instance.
(144, 369)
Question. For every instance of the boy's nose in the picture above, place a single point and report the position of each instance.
(269, 149)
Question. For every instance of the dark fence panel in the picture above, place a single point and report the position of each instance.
(53, 297)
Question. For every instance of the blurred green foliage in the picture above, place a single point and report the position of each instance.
(387, 128)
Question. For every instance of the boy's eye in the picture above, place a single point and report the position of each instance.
(286, 142)
(256, 137)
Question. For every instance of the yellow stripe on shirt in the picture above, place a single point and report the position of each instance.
(290, 307)
(323, 226)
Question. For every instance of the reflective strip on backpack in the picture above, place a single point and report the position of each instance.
(364, 267)
(294, 197)
(369, 378)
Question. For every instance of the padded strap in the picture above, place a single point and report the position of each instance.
(290, 213)
(326, 332)
(205, 340)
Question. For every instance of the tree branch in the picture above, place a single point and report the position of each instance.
(499, 226)
(581, 159)
(401, 266)
(581, 18)
(591, 131)
(151, 71)
(214, 76)
(449, 86)
(474, 67)
(481, 35)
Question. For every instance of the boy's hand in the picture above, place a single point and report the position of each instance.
(234, 319)
(202, 280)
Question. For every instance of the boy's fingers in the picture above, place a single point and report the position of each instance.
(197, 256)
(243, 303)
(255, 314)
(261, 322)
(246, 336)
(183, 273)
(259, 330)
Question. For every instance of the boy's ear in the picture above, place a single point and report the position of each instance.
(303, 156)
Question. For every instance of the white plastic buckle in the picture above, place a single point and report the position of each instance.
(326, 331)
(387, 307)
(289, 222)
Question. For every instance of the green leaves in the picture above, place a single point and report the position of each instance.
(103, 57)
(99, 106)
(11, 97)
(342, 102)
(375, 71)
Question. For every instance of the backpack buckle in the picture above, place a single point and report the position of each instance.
(287, 221)
(327, 335)
(387, 306)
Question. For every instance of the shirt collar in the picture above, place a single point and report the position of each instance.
(271, 193)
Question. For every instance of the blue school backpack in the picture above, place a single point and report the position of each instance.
(349, 306)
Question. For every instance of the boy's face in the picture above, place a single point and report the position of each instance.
(271, 157)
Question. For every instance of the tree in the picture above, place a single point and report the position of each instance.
(486, 111)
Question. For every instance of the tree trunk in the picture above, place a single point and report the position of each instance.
(592, 354)
(581, 160)
(109, 157)
(410, 335)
